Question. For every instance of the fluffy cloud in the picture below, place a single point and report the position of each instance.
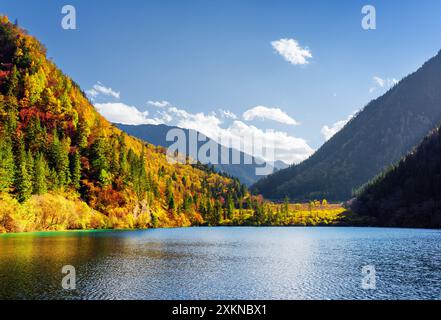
(121, 113)
(382, 83)
(159, 104)
(284, 147)
(275, 114)
(292, 51)
(269, 144)
(163, 117)
(329, 132)
(208, 124)
(100, 89)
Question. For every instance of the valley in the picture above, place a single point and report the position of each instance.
(57, 151)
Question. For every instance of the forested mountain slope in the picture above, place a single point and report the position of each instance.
(156, 135)
(380, 135)
(63, 166)
(409, 193)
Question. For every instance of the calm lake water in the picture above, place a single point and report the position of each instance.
(223, 263)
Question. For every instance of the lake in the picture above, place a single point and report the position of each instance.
(224, 263)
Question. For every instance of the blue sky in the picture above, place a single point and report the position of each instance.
(206, 56)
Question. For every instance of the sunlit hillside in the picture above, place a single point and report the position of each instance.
(58, 153)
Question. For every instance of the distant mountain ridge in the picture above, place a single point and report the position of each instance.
(156, 135)
(387, 129)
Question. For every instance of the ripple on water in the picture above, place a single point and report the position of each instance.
(224, 263)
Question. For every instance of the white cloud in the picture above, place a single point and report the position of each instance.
(121, 113)
(382, 83)
(292, 51)
(163, 117)
(159, 104)
(284, 147)
(287, 148)
(275, 114)
(329, 132)
(100, 89)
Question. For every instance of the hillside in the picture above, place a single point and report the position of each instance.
(380, 135)
(63, 166)
(409, 193)
(156, 135)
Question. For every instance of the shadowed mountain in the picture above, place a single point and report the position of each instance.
(156, 135)
(380, 135)
(409, 193)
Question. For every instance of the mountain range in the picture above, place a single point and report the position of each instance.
(246, 173)
(63, 166)
(380, 135)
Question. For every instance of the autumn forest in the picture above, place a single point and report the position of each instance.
(63, 166)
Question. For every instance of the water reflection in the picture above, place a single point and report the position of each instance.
(223, 263)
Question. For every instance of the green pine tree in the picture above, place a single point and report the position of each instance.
(100, 163)
(171, 201)
(217, 213)
(82, 135)
(41, 172)
(187, 203)
(11, 110)
(13, 82)
(59, 156)
(7, 165)
(23, 178)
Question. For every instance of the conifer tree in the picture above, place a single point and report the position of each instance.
(40, 175)
(82, 135)
(171, 201)
(123, 163)
(30, 162)
(7, 165)
(23, 179)
(187, 203)
(11, 109)
(99, 162)
(13, 82)
(60, 159)
(215, 217)
(208, 207)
